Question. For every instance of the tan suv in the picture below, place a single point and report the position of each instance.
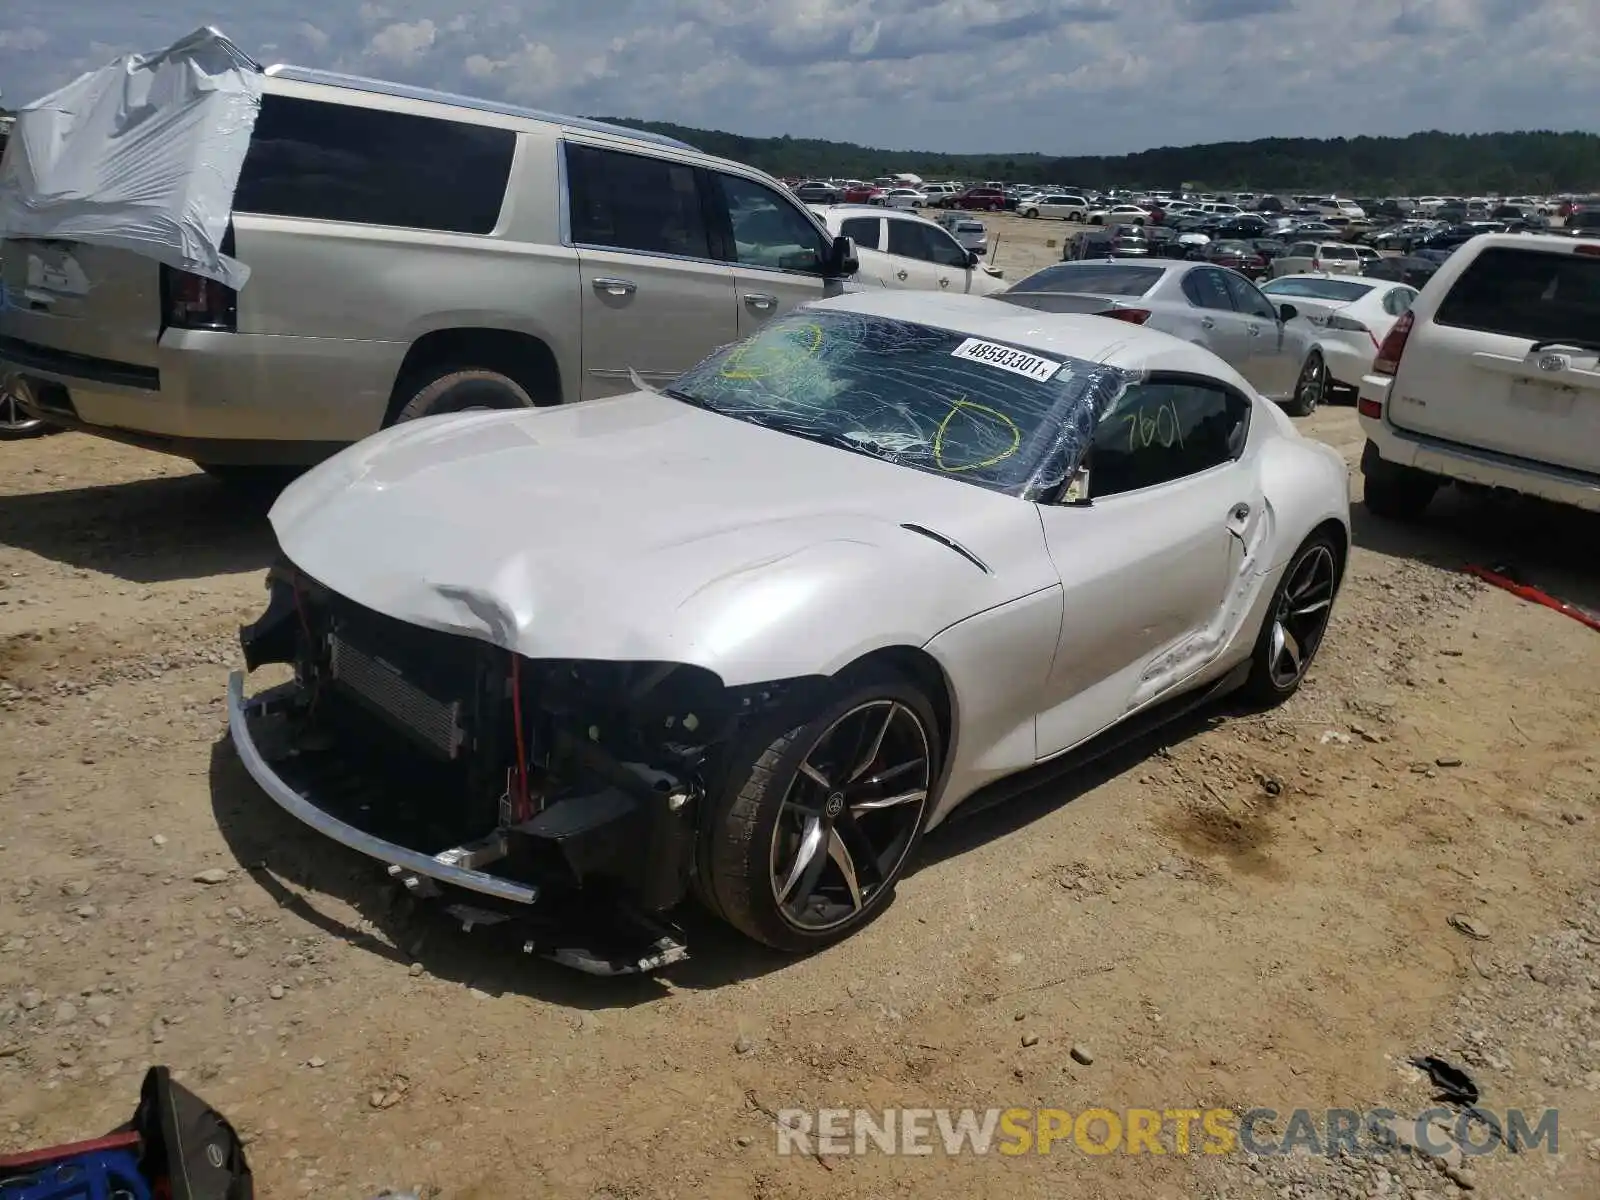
(410, 253)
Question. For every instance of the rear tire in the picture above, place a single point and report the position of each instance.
(1310, 388)
(15, 423)
(1394, 492)
(454, 389)
(780, 781)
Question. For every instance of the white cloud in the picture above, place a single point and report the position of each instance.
(1060, 76)
(402, 43)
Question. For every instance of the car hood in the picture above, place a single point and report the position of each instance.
(642, 528)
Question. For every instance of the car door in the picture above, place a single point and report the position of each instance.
(911, 251)
(952, 263)
(1151, 564)
(1275, 352)
(1222, 329)
(778, 254)
(654, 300)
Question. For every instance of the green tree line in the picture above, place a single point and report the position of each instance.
(1430, 162)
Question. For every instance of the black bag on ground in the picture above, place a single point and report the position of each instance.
(190, 1151)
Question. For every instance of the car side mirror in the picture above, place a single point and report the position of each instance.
(842, 259)
(1287, 312)
(973, 258)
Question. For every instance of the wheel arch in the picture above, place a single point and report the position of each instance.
(527, 359)
(922, 669)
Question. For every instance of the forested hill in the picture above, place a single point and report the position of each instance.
(1486, 163)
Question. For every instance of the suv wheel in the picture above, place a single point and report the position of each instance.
(462, 389)
(15, 423)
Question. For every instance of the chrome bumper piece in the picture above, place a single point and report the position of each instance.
(439, 867)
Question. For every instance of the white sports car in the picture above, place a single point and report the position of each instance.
(753, 635)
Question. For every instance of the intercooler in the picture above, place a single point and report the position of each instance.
(381, 685)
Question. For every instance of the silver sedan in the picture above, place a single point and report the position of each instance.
(1271, 345)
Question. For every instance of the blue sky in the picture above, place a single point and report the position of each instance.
(1057, 76)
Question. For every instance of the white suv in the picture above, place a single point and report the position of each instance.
(1492, 378)
(898, 249)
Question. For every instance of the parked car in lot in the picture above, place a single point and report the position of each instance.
(1238, 256)
(1119, 214)
(1406, 269)
(1492, 378)
(969, 231)
(1058, 205)
(905, 198)
(891, 549)
(896, 249)
(980, 199)
(375, 299)
(816, 191)
(1302, 257)
(1270, 345)
(1351, 316)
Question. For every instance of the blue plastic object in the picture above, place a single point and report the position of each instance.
(100, 1175)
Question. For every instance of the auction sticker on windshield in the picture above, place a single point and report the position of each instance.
(1018, 362)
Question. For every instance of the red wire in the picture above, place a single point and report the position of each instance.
(522, 753)
(1534, 596)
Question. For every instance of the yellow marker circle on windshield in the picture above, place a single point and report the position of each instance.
(980, 415)
(777, 355)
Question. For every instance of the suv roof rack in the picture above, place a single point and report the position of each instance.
(404, 91)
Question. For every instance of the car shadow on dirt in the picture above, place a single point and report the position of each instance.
(144, 531)
(1547, 546)
(302, 871)
(1017, 802)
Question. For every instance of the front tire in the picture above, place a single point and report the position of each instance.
(15, 422)
(1296, 621)
(815, 822)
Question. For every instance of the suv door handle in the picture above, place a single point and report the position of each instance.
(616, 287)
(1207, 323)
(760, 303)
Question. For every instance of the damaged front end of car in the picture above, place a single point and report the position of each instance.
(566, 795)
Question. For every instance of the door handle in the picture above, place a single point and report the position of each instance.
(760, 302)
(616, 287)
(900, 275)
(1207, 323)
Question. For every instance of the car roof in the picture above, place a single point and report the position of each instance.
(1094, 339)
(405, 91)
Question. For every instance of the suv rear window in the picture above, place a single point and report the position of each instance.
(337, 162)
(1533, 294)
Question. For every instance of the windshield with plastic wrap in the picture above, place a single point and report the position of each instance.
(990, 413)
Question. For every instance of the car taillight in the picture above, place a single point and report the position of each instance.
(1351, 325)
(1586, 248)
(190, 301)
(1133, 316)
(1394, 345)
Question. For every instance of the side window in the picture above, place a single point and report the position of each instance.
(947, 252)
(909, 239)
(1207, 289)
(337, 162)
(634, 202)
(1302, 250)
(1159, 432)
(1247, 298)
(865, 230)
(768, 231)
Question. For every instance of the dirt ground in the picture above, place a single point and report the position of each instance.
(1252, 911)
